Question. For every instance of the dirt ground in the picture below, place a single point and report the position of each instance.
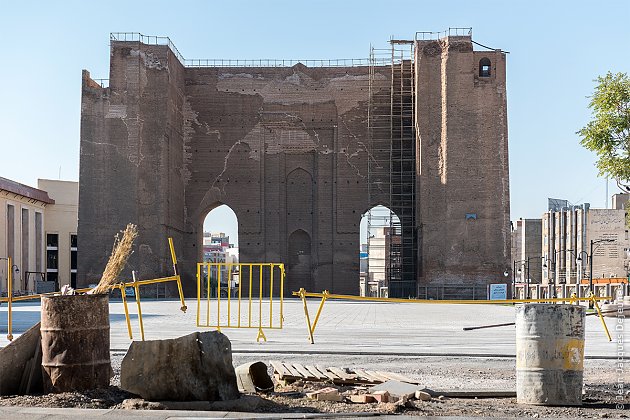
(600, 398)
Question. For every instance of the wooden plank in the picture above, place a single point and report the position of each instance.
(377, 375)
(294, 372)
(328, 373)
(397, 377)
(368, 378)
(316, 373)
(342, 374)
(280, 369)
(304, 372)
(473, 393)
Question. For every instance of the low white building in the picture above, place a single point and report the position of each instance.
(38, 232)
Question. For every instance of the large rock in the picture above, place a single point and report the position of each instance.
(195, 367)
(20, 364)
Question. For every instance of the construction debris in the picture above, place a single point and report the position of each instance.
(381, 396)
(253, 377)
(20, 364)
(195, 367)
(422, 395)
(472, 393)
(325, 394)
(290, 372)
(361, 398)
(397, 389)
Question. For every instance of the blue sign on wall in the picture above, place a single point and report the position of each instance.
(497, 291)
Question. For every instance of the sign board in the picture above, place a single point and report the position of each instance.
(45, 286)
(497, 291)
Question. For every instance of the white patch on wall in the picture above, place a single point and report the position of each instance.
(150, 61)
(346, 91)
(116, 111)
(290, 141)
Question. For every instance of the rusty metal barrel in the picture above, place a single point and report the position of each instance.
(75, 342)
(549, 354)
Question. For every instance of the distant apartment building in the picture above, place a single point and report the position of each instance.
(218, 249)
(566, 244)
(527, 251)
(38, 232)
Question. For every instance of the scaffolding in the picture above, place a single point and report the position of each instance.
(392, 160)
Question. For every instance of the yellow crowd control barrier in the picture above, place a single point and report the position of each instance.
(136, 287)
(325, 295)
(121, 286)
(241, 295)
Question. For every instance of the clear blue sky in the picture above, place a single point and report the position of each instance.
(556, 50)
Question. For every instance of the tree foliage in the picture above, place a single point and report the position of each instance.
(608, 133)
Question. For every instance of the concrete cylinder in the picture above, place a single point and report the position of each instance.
(549, 354)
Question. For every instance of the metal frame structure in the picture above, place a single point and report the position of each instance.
(226, 62)
(210, 274)
(392, 161)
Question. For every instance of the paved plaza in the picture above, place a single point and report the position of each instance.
(344, 327)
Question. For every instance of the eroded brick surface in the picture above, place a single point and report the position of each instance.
(286, 149)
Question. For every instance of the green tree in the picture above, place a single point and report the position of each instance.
(608, 133)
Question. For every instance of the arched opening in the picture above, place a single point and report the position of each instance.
(484, 67)
(299, 264)
(220, 248)
(380, 254)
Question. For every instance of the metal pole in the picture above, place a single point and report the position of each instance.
(590, 277)
(528, 280)
(513, 279)
(10, 299)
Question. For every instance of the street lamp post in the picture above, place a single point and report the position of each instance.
(525, 263)
(553, 267)
(589, 259)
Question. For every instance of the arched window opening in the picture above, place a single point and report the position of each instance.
(484, 67)
(220, 247)
(380, 253)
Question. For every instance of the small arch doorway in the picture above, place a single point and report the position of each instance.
(299, 268)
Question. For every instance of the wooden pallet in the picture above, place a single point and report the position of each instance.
(291, 372)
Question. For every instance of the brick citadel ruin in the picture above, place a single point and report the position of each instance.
(300, 151)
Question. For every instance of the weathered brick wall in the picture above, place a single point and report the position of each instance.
(287, 150)
(462, 165)
(131, 147)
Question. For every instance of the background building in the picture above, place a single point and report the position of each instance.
(526, 246)
(61, 231)
(22, 215)
(38, 230)
(218, 249)
(567, 235)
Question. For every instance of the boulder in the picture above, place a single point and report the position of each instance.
(195, 367)
(20, 364)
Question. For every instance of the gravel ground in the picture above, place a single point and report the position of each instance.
(432, 372)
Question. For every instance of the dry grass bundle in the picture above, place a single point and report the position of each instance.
(120, 253)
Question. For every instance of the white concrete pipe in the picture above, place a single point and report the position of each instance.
(549, 354)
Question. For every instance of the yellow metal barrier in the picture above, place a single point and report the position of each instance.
(121, 286)
(244, 286)
(136, 286)
(325, 295)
